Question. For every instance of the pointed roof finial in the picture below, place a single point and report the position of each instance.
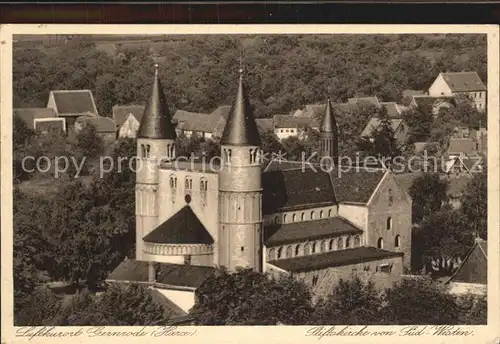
(329, 92)
(241, 129)
(156, 122)
(329, 125)
(241, 70)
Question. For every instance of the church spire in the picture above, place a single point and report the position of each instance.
(329, 125)
(329, 134)
(241, 129)
(156, 122)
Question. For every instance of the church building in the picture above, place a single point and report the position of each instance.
(281, 218)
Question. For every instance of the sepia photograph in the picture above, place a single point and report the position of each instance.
(250, 179)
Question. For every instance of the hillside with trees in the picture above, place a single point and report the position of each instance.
(283, 72)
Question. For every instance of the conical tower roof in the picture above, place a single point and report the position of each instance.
(329, 125)
(156, 121)
(241, 129)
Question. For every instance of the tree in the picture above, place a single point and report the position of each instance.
(475, 204)
(352, 302)
(250, 298)
(131, 305)
(30, 244)
(382, 142)
(474, 309)
(420, 301)
(39, 308)
(420, 121)
(442, 239)
(89, 142)
(428, 193)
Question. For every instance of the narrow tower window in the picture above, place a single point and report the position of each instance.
(389, 223)
(288, 253)
(380, 243)
(297, 250)
(322, 246)
(331, 245)
(280, 252)
(397, 241)
(148, 150)
(347, 242)
(340, 244)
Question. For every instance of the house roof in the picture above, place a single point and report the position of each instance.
(28, 115)
(74, 102)
(199, 122)
(464, 81)
(101, 124)
(411, 93)
(285, 233)
(426, 101)
(333, 258)
(121, 113)
(352, 185)
(172, 311)
(360, 100)
(374, 123)
(465, 146)
(50, 125)
(392, 109)
(296, 189)
(183, 227)
(480, 246)
(222, 111)
(181, 275)
(290, 121)
(264, 124)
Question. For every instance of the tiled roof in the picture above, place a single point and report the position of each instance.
(426, 101)
(264, 124)
(182, 275)
(392, 109)
(464, 81)
(131, 270)
(359, 100)
(101, 124)
(74, 102)
(290, 121)
(333, 258)
(28, 115)
(223, 111)
(121, 113)
(355, 184)
(275, 234)
(296, 189)
(465, 146)
(374, 123)
(183, 227)
(477, 271)
(172, 311)
(411, 93)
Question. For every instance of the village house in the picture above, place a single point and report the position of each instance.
(191, 219)
(127, 119)
(399, 127)
(458, 84)
(42, 120)
(435, 104)
(286, 126)
(71, 104)
(105, 127)
(472, 275)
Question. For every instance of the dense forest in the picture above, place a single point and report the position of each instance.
(283, 72)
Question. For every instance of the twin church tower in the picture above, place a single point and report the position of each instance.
(239, 239)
